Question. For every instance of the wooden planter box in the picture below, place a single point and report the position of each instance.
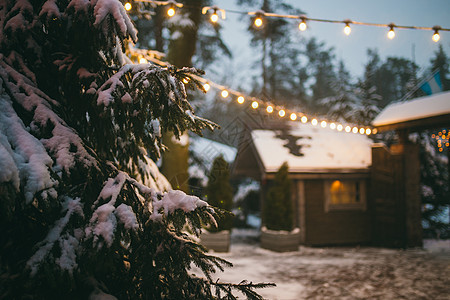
(218, 241)
(280, 241)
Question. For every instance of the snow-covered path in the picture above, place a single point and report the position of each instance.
(340, 273)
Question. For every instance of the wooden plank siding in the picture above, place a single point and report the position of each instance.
(333, 227)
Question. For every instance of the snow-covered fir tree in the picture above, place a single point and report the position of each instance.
(84, 210)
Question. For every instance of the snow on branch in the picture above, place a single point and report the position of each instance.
(114, 8)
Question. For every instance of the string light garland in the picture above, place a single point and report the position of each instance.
(442, 139)
(155, 57)
(259, 17)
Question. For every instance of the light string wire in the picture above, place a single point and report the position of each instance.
(145, 56)
(303, 18)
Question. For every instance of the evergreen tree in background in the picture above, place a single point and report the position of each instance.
(219, 191)
(84, 209)
(278, 206)
(441, 62)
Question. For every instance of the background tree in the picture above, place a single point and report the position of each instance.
(441, 62)
(219, 191)
(278, 207)
(84, 209)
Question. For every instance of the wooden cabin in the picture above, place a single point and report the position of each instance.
(330, 171)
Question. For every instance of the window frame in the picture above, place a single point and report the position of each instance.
(361, 205)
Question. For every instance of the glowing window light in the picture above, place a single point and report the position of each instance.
(206, 86)
(348, 129)
(255, 105)
(171, 11)
(240, 99)
(224, 93)
(269, 109)
(128, 6)
(362, 130)
(391, 32)
(368, 131)
(314, 122)
(355, 130)
(340, 127)
(282, 113)
(293, 116)
(323, 124)
(333, 126)
(304, 119)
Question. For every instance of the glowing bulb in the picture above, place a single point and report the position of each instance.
(368, 131)
(206, 87)
(240, 99)
(282, 113)
(374, 131)
(333, 126)
(127, 6)
(436, 36)
(293, 116)
(314, 122)
(142, 60)
(224, 93)
(302, 26)
(258, 22)
(391, 32)
(348, 129)
(355, 130)
(185, 80)
(171, 12)
(304, 119)
(339, 127)
(347, 29)
(214, 17)
(323, 124)
(269, 109)
(255, 105)
(362, 130)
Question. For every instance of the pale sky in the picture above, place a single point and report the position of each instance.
(352, 49)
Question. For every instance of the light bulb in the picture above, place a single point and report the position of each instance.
(282, 113)
(206, 87)
(142, 60)
(362, 130)
(348, 129)
(333, 126)
(255, 105)
(314, 122)
(391, 32)
(269, 109)
(304, 119)
(127, 6)
(293, 116)
(347, 29)
(302, 26)
(323, 124)
(258, 22)
(355, 129)
(368, 131)
(186, 80)
(436, 37)
(171, 12)
(340, 127)
(214, 17)
(374, 131)
(240, 99)
(224, 93)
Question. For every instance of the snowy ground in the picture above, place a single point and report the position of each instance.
(343, 272)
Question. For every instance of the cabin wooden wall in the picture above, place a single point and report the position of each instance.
(335, 226)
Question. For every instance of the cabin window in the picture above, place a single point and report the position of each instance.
(344, 194)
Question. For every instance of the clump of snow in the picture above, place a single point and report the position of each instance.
(175, 199)
(104, 8)
(182, 141)
(126, 216)
(50, 10)
(245, 189)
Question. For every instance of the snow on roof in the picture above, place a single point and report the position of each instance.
(209, 149)
(419, 108)
(308, 148)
